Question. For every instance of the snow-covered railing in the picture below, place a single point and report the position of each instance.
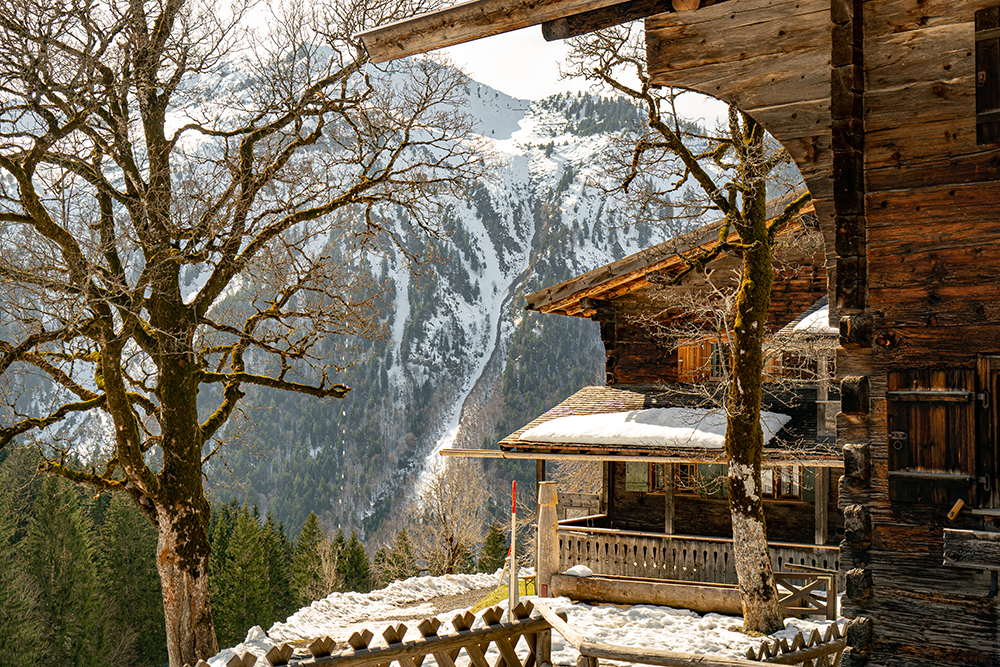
(817, 651)
(535, 633)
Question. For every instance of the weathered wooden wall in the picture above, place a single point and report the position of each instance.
(876, 102)
(930, 219)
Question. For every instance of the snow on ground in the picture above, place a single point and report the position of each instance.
(643, 626)
(663, 427)
(339, 612)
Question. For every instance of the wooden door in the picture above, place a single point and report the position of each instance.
(987, 459)
(932, 436)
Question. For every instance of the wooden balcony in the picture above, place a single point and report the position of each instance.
(672, 557)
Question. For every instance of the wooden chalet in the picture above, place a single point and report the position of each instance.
(673, 500)
(891, 110)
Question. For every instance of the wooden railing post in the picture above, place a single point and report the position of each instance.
(543, 648)
(547, 543)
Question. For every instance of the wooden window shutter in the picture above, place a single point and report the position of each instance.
(988, 76)
(932, 435)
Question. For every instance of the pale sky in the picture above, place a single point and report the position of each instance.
(520, 63)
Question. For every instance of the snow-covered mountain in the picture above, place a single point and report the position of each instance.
(463, 363)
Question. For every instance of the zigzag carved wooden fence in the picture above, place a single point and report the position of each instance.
(446, 649)
(468, 646)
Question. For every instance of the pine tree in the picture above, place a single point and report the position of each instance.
(129, 580)
(339, 542)
(19, 475)
(307, 581)
(58, 555)
(404, 562)
(277, 560)
(355, 569)
(240, 598)
(221, 527)
(494, 550)
(382, 568)
(19, 614)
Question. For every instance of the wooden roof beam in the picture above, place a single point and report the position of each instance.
(680, 457)
(473, 20)
(597, 19)
(466, 22)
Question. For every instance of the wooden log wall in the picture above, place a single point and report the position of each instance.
(930, 224)
(876, 100)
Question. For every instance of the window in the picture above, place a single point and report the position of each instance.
(685, 477)
(657, 477)
(782, 482)
(718, 357)
(988, 76)
(931, 419)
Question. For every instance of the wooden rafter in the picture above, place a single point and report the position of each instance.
(597, 19)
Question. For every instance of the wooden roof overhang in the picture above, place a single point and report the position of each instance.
(603, 399)
(474, 20)
(576, 297)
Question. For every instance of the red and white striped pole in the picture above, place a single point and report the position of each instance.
(512, 592)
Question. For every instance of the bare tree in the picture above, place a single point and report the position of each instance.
(157, 160)
(448, 523)
(728, 174)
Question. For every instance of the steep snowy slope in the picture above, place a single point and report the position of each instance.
(451, 325)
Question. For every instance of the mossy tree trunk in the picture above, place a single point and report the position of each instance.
(657, 172)
(744, 437)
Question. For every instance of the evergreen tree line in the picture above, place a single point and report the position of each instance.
(79, 586)
(78, 580)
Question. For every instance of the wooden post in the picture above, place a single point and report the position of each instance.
(512, 591)
(606, 482)
(668, 498)
(822, 497)
(543, 648)
(547, 555)
(539, 474)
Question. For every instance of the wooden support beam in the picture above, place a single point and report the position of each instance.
(581, 24)
(668, 499)
(805, 458)
(696, 596)
(466, 22)
(539, 474)
(822, 497)
(607, 479)
(547, 541)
